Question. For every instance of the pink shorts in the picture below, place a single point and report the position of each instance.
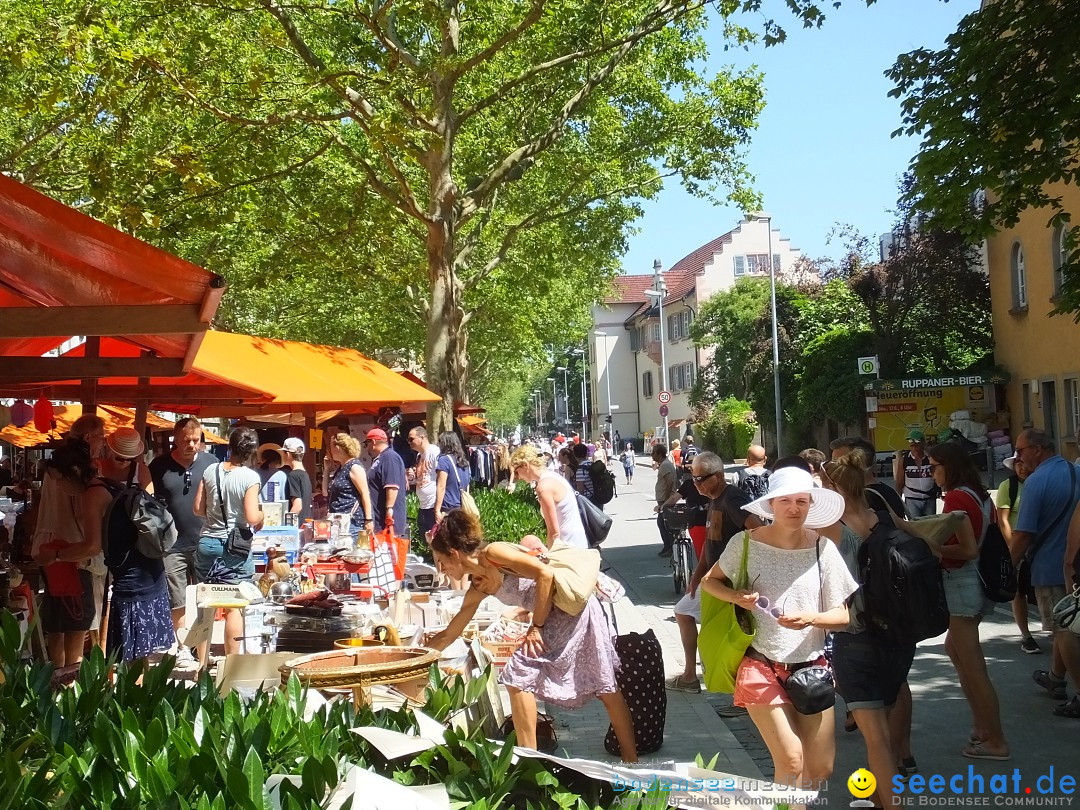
(757, 683)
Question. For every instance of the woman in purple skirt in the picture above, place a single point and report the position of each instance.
(565, 659)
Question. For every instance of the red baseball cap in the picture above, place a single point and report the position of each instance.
(376, 435)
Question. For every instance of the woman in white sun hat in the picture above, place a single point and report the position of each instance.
(798, 587)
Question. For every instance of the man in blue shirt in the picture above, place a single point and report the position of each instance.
(387, 484)
(1050, 496)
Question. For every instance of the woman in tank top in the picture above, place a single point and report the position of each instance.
(558, 502)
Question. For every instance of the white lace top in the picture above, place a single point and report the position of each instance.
(789, 578)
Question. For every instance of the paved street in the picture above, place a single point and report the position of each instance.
(1038, 739)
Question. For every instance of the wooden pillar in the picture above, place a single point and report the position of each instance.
(309, 451)
(92, 348)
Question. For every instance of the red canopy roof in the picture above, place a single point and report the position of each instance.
(63, 274)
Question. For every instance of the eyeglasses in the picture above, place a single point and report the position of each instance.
(697, 479)
(1020, 450)
(764, 603)
(934, 466)
(187, 481)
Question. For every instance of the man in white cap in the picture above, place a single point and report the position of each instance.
(297, 481)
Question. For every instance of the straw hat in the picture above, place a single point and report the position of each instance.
(271, 446)
(125, 443)
(826, 506)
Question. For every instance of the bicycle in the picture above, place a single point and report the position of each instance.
(677, 520)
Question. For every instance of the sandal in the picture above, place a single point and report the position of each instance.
(1070, 708)
(849, 723)
(978, 751)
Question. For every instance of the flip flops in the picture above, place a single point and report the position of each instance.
(977, 750)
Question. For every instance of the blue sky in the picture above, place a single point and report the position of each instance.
(822, 153)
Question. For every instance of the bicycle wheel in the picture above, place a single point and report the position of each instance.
(680, 561)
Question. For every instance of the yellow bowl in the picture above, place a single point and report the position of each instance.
(346, 643)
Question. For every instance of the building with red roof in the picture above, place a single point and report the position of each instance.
(626, 336)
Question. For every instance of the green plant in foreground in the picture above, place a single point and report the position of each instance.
(126, 737)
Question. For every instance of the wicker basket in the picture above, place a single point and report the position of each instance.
(358, 669)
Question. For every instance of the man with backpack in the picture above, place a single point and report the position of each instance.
(754, 478)
(1007, 501)
(1051, 493)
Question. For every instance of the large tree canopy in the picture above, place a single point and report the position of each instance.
(998, 109)
(425, 174)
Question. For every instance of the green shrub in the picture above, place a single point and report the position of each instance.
(728, 429)
(506, 516)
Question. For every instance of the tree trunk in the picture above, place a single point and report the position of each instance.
(446, 338)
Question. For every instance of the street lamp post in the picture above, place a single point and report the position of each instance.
(767, 218)
(584, 406)
(566, 393)
(554, 400)
(658, 292)
(607, 386)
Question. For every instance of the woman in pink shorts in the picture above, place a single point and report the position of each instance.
(806, 584)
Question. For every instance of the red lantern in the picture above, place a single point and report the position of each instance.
(43, 415)
(21, 414)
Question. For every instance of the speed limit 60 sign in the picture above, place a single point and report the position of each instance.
(664, 397)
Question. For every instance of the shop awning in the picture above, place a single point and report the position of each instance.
(65, 415)
(64, 274)
(241, 375)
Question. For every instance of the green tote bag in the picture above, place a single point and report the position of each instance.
(722, 641)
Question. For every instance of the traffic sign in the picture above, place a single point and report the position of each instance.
(664, 397)
(663, 410)
(868, 365)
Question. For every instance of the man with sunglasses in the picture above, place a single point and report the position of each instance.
(176, 476)
(724, 519)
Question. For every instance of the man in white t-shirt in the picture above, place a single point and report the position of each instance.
(427, 457)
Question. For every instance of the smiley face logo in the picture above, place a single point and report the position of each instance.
(862, 783)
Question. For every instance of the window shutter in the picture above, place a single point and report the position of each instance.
(740, 265)
(776, 262)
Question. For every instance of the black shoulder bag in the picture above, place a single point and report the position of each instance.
(238, 540)
(811, 688)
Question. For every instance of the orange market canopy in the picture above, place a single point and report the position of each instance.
(64, 274)
(65, 415)
(240, 375)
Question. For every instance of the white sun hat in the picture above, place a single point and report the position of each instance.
(1009, 463)
(826, 506)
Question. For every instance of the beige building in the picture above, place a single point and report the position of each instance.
(1040, 352)
(627, 355)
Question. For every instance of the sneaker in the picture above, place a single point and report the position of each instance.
(1054, 686)
(677, 684)
(1030, 646)
(732, 711)
(184, 659)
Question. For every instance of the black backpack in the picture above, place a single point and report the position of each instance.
(756, 486)
(902, 588)
(155, 529)
(603, 483)
(996, 569)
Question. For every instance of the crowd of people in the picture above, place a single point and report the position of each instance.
(804, 524)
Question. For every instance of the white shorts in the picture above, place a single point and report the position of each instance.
(690, 605)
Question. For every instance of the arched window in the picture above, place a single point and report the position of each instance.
(1059, 254)
(1019, 278)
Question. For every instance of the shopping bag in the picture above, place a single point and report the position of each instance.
(723, 640)
(388, 567)
(575, 573)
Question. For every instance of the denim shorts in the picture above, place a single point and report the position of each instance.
(964, 591)
(869, 671)
(213, 548)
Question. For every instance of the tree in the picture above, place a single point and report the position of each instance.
(501, 147)
(727, 324)
(997, 110)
